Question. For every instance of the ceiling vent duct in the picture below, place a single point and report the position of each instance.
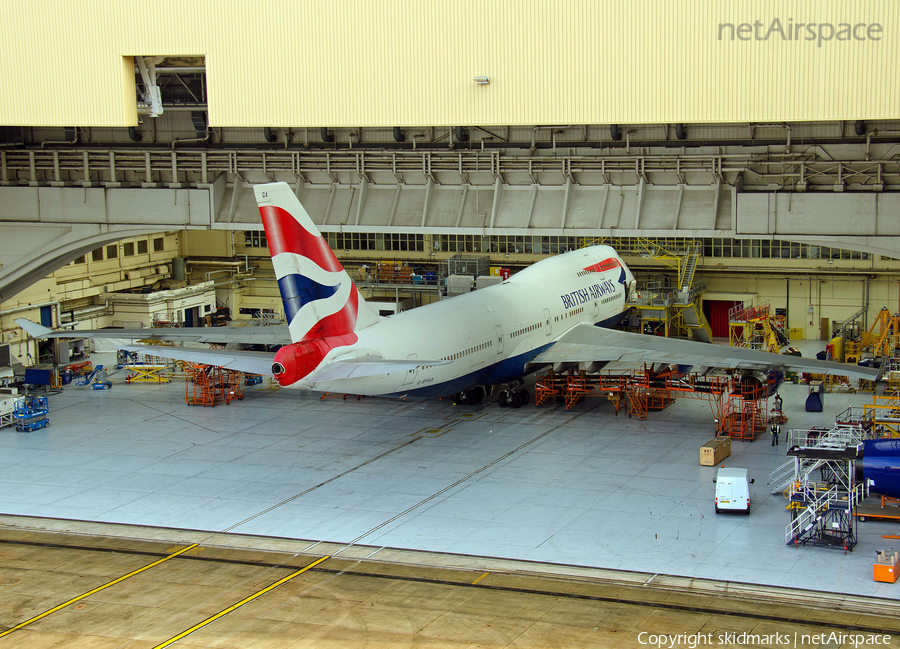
(270, 135)
(614, 132)
(198, 118)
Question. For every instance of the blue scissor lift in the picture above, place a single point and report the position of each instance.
(31, 413)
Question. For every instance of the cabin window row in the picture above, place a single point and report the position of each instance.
(524, 330)
(466, 352)
(569, 314)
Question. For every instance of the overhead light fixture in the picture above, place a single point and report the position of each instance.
(482, 81)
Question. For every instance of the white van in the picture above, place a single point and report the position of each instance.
(733, 490)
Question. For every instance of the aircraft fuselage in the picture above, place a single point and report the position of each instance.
(489, 336)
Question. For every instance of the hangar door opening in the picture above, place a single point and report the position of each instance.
(192, 317)
(716, 312)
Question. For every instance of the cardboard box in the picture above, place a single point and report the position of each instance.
(715, 450)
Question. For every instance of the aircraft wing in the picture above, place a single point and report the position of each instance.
(274, 335)
(242, 361)
(366, 366)
(585, 343)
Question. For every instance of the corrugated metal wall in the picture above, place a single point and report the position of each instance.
(412, 63)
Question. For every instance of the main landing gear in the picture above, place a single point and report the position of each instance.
(513, 395)
(469, 397)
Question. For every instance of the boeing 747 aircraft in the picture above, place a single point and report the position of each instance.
(556, 311)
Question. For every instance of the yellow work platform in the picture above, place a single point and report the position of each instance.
(147, 374)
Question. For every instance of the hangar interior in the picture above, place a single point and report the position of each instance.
(143, 215)
(109, 215)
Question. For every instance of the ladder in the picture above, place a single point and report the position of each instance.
(782, 477)
(686, 277)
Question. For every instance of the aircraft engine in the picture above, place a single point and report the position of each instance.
(879, 465)
(770, 380)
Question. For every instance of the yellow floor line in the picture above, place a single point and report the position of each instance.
(480, 578)
(96, 590)
(239, 604)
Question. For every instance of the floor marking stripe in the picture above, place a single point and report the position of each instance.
(239, 604)
(480, 578)
(97, 590)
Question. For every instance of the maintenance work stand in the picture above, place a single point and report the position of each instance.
(819, 483)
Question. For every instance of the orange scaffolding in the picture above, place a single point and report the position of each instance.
(642, 391)
(656, 390)
(747, 411)
(572, 388)
(611, 386)
(208, 385)
(549, 384)
(337, 395)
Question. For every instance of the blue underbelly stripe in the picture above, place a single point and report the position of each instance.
(504, 371)
(509, 369)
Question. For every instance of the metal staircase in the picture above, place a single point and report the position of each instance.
(686, 276)
(696, 322)
(821, 510)
(826, 519)
(785, 475)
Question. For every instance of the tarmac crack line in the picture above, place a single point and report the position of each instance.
(322, 484)
(465, 478)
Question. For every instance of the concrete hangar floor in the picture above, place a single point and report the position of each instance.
(443, 526)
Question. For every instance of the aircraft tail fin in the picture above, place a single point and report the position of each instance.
(320, 300)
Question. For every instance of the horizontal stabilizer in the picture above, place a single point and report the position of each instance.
(367, 366)
(272, 335)
(241, 361)
(33, 329)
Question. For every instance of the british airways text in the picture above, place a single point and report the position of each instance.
(587, 294)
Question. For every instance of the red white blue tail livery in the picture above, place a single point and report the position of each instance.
(320, 299)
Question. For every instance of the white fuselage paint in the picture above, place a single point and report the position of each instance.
(488, 336)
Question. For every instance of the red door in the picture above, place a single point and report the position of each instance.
(717, 314)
